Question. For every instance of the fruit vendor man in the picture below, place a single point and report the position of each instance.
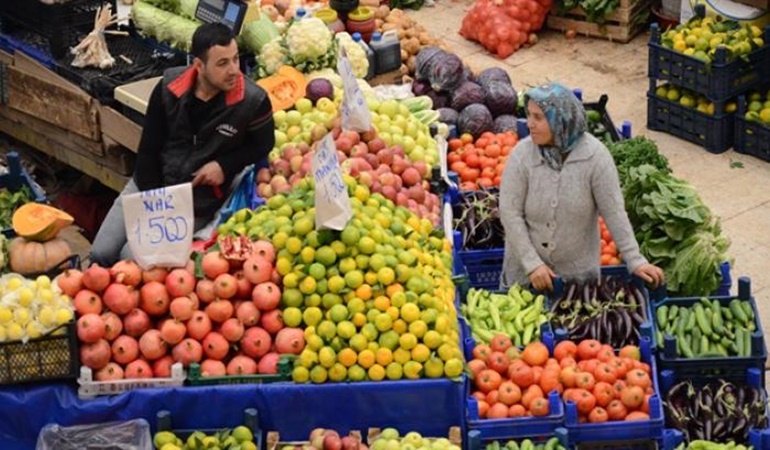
(204, 124)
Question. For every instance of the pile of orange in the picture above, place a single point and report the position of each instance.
(480, 164)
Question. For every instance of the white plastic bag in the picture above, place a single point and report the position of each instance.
(355, 111)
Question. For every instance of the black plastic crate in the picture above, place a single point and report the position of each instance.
(134, 60)
(600, 106)
(51, 357)
(715, 133)
(64, 24)
(250, 421)
(719, 80)
(751, 137)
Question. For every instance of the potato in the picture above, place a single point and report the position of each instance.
(401, 35)
(382, 12)
(425, 39)
(411, 64)
(404, 55)
(389, 26)
(403, 70)
(393, 19)
(413, 46)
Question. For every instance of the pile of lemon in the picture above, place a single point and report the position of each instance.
(690, 99)
(700, 38)
(31, 308)
(758, 108)
(375, 300)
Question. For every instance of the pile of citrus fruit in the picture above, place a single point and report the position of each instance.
(690, 99)
(758, 108)
(376, 300)
(700, 38)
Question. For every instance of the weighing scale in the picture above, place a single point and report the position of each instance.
(233, 13)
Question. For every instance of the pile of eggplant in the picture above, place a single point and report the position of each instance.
(477, 217)
(720, 411)
(609, 310)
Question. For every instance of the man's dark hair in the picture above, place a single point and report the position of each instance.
(207, 36)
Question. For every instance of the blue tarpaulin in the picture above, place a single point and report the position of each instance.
(428, 406)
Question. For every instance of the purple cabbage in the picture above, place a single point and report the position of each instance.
(468, 93)
(506, 122)
(424, 61)
(500, 98)
(448, 116)
(474, 119)
(440, 100)
(492, 74)
(420, 88)
(446, 72)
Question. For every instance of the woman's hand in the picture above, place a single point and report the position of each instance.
(542, 278)
(651, 274)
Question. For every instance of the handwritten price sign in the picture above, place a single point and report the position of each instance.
(354, 110)
(332, 204)
(160, 225)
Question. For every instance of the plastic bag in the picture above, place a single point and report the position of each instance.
(502, 27)
(127, 435)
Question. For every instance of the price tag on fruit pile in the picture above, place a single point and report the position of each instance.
(332, 204)
(160, 225)
(355, 112)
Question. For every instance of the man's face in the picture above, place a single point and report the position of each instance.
(221, 67)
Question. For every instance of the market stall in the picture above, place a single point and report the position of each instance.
(348, 295)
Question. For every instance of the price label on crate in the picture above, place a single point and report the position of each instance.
(354, 110)
(332, 204)
(160, 225)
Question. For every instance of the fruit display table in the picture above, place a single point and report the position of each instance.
(432, 406)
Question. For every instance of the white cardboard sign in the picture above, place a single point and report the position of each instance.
(354, 109)
(332, 203)
(159, 225)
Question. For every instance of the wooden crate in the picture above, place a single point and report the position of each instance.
(35, 90)
(624, 24)
(68, 147)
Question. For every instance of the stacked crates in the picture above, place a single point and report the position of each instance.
(679, 81)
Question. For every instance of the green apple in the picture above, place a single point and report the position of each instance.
(162, 438)
(389, 433)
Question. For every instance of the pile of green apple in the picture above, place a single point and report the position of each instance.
(239, 438)
(303, 124)
(396, 125)
(390, 439)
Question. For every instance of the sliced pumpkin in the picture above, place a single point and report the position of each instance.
(284, 88)
(38, 222)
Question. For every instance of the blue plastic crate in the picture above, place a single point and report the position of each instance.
(714, 133)
(482, 267)
(474, 440)
(751, 138)
(670, 440)
(621, 430)
(469, 343)
(515, 428)
(718, 81)
(250, 420)
(715, 366)
(667, 378)
(645, 329)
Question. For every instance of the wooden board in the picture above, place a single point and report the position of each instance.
(119, 128)
(622, 25)
(121, 159)
(63, 145)
(31, 93)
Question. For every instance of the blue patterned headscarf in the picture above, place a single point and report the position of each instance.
(565, 115)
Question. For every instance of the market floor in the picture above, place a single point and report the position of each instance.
(739, 195)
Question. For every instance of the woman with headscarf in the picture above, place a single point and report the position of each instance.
(556, 183)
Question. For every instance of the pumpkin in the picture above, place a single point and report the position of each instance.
(27, 257)
(284, 88)
(38, 222)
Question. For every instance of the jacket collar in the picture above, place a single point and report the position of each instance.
(182, 84)
(580, 153)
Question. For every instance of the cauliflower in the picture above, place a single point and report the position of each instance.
(308, 39)
(272, 56)
(356, 55)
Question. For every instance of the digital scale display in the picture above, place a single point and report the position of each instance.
(228, 12)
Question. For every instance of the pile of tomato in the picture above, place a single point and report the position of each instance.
(608, 255)
(605, 386)
(480, 164)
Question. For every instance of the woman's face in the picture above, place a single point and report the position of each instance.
(538, 125)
